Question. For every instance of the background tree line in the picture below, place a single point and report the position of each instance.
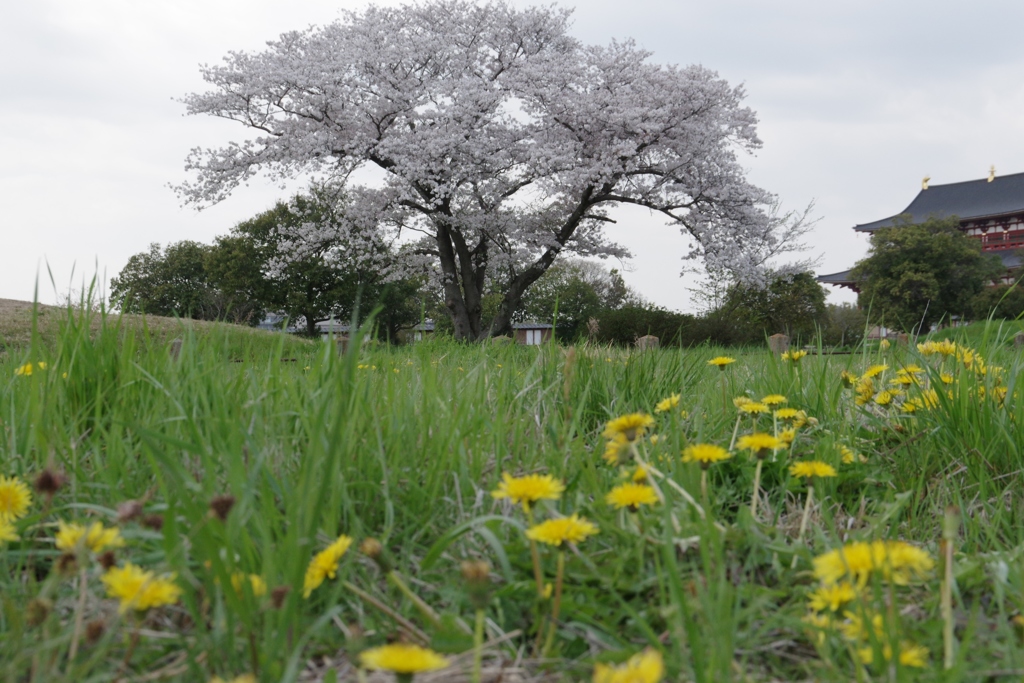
(255, 269)
(297, 259)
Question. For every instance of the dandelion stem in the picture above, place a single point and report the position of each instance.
(423, 607)
(79, 616)
(556, 607)
(398, 618)
(735, 431)
(538, 575)
(950, 525)
(803, 520)
(807, 512)
(704, 486)
(478, 645)
(757, 489)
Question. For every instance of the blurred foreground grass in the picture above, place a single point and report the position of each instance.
(404, 445)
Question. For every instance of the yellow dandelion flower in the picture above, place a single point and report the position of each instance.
(911, 406)
(7, 532)
(884, 398)
(528, 489)
(754, 408)
(631, 496)
(787, 413)
(256, 583)
(895, 561)
(721, 361)
(639, 475)
(15, 498)
(832, 597)
(774, 400)
(741, 401)
(818, 623)
(565, 529)
(801, 419)
(402, 658)
(794, 356)
(911, 655)
(808, 469)
(616, 450)
(787, 437)
(244, 678)
(848, 378)
(758, 443)
(667, 404)
(631, 426)
(705, 454)
(645, 667)
(856, 627)
(324, 564)
(140, 589)
(27, 369)
(874, 371)
(903, 380)
(96, 537)
(946, 378)
(884, 344)
(849, 456)
(865, 391)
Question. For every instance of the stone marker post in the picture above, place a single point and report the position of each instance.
(778, 343)
(648, 341)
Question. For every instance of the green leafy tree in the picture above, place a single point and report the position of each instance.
(171, 281)
(845, 325)
(580, 290)
(917, 274)
(791, 304)
(309, 267)
(1005, 302)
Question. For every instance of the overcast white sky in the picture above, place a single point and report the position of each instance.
(858, 100)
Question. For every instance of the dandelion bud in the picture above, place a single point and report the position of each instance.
(37, 610)
(373, 549)
(94, 630)
(154, 522)
(476, 571)
(278, 595)
(107, 560)
(67, 564)
(221, 506)
(477, 574)
(49, 482)
(129, 510)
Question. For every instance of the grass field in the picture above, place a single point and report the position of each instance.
(230, 472)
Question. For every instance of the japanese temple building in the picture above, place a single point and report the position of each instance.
(990, 210)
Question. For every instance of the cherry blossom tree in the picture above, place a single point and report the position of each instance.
(501, 139)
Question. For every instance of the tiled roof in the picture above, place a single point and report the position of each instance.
(970, 199)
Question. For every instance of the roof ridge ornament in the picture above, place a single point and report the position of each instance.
(991, 173)
(924, 182)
